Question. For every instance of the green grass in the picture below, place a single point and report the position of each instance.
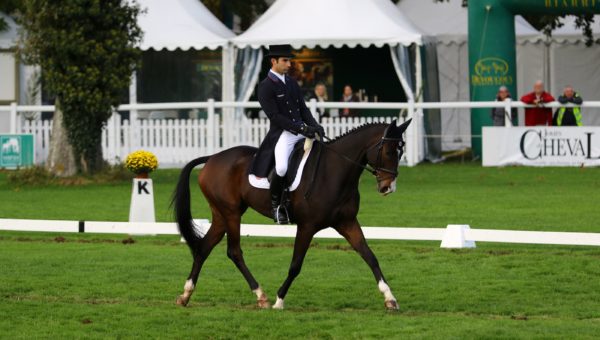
(95, 286)
(553, 199)
(91, 286)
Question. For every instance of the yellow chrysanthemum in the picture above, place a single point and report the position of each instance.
(141, 161)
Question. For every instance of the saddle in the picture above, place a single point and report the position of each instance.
(296, 164)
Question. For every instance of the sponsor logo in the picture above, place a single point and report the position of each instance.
(11, 151)
(568, 4)
(491, 71)
(537, 144)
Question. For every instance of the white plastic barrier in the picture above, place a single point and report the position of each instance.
(453, 236)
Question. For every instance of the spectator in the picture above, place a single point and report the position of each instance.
(498, 113)
(538, 115)
(349, 97)
(320, 94)
(568, 116)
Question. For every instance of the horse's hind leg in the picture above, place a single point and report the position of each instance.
(354, 235)
(209, 241)
(235, 253)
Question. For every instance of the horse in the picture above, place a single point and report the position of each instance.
(333, 202)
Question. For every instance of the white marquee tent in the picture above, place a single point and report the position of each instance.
(181, 24)
(184, 24)
(338, 23)
(8, 71)
(448, 23)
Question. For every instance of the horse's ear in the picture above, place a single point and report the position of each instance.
(394, 122)
(404, 126)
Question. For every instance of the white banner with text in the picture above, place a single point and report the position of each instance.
(541, 146)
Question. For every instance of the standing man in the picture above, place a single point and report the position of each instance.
(569, 116)
(538, 115)
(281, 99)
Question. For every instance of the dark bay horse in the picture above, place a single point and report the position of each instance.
(334, 201)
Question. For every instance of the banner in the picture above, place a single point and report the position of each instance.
(16, 151)
(541, 146)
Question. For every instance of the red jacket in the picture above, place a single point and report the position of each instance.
(538, 115)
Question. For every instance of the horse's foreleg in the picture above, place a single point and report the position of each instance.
(354, 235)
(235, 253)
(209, 241)
(304, 236)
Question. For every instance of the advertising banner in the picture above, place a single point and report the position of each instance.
(541, 146)
(16, 151)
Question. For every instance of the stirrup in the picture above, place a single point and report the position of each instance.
(281, 211)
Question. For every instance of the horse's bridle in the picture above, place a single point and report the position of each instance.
(377, 169)
(374, 170)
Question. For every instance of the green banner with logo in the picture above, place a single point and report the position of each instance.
(492, 52)
(16, 151)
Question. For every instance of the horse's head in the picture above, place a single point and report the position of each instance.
(386, 154)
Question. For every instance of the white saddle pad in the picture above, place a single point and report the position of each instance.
(263, 183)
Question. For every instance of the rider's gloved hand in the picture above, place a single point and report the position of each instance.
(320, 131)
(307, 131)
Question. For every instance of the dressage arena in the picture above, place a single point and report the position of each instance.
(61, 284)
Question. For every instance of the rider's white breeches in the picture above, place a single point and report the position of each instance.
(283, 149)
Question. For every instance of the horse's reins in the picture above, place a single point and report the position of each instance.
(367, 167)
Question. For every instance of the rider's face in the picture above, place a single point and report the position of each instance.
(281, 65)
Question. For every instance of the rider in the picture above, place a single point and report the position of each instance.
(282, 101)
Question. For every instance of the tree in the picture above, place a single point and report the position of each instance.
(87, 53)
(246, 10)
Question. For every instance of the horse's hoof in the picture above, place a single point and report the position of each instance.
(391, 305)
(181, 301)
(263, 303)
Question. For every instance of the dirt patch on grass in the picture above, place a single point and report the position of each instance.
(314, 245)
(500, 252)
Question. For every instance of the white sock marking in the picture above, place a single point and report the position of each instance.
(278, 304)
(385, 290)
(259, 292)
(188, 288)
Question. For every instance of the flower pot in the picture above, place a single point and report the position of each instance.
(142, 175)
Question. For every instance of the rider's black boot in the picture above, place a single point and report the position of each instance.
(280, 214)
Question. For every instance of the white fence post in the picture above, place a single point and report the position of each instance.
(508, 112)
(211, 127)
(412, 138)
(312, 105)
(13, 118)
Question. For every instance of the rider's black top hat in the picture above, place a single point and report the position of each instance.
(280, 51)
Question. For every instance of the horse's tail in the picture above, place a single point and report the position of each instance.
(181, 206)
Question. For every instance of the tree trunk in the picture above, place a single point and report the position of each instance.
(61, 159)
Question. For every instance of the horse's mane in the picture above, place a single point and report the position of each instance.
(355, 130)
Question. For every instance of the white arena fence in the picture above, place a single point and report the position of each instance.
(176, 141)
(453, 236)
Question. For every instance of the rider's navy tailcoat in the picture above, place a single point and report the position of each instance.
(286, 109)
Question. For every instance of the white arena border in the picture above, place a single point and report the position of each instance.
(453, 236)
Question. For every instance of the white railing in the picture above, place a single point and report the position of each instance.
(176, 141)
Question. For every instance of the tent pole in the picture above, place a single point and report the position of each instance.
(417, 126)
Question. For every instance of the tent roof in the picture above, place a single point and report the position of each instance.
(9, 37)
(448, 20)
(323, 23)
(180, 24)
